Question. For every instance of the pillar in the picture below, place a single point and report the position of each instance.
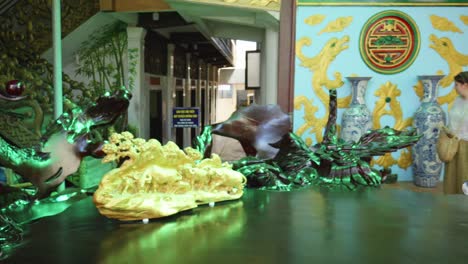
(214, 90)
(187, 136)
(57, 41)
(207, 95)
(138, 112)
(168, 94)
(198, 96)
(57, 48)
(269, 69)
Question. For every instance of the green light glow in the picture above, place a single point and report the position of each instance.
(22, 212)
(154, 242)
(202, 143)
(298, 166)
(11, 234)
(13, 156)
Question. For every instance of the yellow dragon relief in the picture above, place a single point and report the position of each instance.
(464, 19)
(456, 60)
(443, 24)
(337, 25)
(318, 65)
(387, 104)
(314, 19)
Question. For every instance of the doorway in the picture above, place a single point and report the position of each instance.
(156, 119)
(179, 102)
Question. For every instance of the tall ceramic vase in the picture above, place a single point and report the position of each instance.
(429, 117)
(356, 119)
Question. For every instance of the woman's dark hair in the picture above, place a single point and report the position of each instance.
(462, 77)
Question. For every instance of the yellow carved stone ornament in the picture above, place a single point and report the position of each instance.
(158, 181)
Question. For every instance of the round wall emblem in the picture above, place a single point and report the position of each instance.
(389, 42)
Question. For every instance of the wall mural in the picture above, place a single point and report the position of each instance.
(325, 64)
(102, 59)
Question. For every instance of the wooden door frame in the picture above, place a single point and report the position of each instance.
(286, 56)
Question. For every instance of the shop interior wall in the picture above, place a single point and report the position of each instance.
(311, 81)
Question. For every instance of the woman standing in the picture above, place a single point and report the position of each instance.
(456, 170)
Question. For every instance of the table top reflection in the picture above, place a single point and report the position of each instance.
(304, 226)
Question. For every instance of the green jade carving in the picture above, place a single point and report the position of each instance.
(332, 163)
(46, 165)
(65, 142)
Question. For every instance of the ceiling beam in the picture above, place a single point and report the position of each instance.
(226, 30)
(129, 18)
(163, 20)
(133, 5)
(188, 37)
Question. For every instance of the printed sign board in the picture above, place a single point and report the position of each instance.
(186, 117)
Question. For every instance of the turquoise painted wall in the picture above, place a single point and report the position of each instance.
(349, 61)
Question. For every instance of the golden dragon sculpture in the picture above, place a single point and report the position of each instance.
(455, 60)
(319, 65)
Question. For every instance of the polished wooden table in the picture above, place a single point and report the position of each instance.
(305, 226)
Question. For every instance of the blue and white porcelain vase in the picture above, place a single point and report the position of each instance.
(429, 117)
(356, 119)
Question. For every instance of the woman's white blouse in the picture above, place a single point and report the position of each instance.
(458, 118)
